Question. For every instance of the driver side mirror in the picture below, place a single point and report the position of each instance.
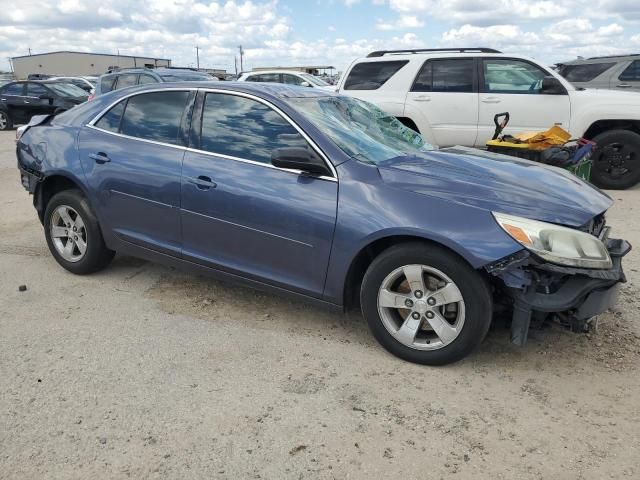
(552, 86)
(305, 84)
(46, 96)
(297, 158)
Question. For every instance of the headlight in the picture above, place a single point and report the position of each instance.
(556, 244)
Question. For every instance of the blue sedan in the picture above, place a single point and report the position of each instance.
(323, 198)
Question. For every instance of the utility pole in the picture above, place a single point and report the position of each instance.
(235, 64)
(198, 57)
(241, 55)
(29, 51)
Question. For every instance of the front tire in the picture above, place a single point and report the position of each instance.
(424, 304)
(616, 160)
(73, 234)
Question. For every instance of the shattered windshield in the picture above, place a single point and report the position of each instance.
(361, 129)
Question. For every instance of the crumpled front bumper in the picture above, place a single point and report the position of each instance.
(574, 294)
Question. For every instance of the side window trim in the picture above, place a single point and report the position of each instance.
(481, 83)
(475, 80)
(196, 124)
(183, 120)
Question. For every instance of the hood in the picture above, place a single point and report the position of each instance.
(498, 183)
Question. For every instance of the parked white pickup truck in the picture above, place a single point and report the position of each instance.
(452, 95)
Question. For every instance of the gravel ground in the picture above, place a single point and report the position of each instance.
(145, 372)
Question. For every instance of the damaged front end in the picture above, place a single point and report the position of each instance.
(538, 289)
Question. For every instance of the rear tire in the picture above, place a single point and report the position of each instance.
(73, 234)
(466, 307)
(5, 121)
(616, 160)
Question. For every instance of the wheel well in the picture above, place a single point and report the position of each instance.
(601, 126)
(48, 188)
(407, 122)
(361, 262)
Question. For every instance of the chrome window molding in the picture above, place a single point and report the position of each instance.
(313, 145)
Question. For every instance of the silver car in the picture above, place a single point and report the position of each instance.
(620, 72)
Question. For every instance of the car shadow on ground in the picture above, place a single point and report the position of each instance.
(612, 346)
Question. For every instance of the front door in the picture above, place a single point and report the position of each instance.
(39, 100)
(444, 95)
(132, 158)
(244, 216)
(629, 79)
(514, 86)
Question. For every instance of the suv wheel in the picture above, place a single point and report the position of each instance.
(5, 121)
(425, 304)
(616, 160)
(73, 234)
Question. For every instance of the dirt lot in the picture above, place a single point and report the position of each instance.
(145, 372)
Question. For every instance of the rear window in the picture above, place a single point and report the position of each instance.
(454, 75)
(13, 89)
(265, 77)
(126, 80)
(372, 75)
(584, 72)
(106, 83)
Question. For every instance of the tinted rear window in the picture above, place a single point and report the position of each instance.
(126, 80)
(454, 75)
(106, 83)
(13, 89)
(154, 116)
(585, 72)
(372, 75)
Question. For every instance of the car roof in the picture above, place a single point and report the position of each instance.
(603, 59)
(445, 54)
(273, 90)
(259, 72)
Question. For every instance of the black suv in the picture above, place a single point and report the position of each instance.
(19, 101)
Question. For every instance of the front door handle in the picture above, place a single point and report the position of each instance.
(490, 100)
(623, 85)
(423, 98)
(99, 157)
(203, 182)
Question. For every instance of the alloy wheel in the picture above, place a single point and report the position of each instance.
(421, 307)
(617, 160)
(3, 120)
(68, 233)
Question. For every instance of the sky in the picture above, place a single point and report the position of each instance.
(327, 32)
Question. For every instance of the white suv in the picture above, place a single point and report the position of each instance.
(452, 95)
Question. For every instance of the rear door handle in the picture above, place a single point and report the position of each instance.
(423, 98)
(100, 157)
(490, 100)
(623, 85)
(203, 182)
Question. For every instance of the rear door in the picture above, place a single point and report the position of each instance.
(629, 79)
(132, 159)
(13, 97)
(39, 100)
(514, 85)
(445, 94)
(241, 214)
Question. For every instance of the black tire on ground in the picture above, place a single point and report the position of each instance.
(7, 124)
(97, 255)
(473, 287)
(616, 160)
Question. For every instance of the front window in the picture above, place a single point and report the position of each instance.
(36, 90)
(361, 129)
(244, 128)
(67, 89)
(512, 76)
(313, 80)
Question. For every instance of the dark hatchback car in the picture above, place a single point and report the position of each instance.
(19, 101)
(325, 198)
